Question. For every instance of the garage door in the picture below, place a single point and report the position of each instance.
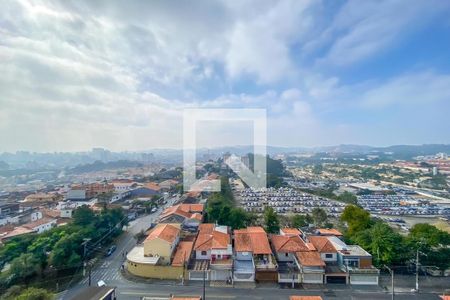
(364, 279)
(312, 278)
(336, 279)
(220, 275)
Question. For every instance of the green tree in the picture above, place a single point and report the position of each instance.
(31, 293)
(24, 266)
(357, 219)
(239, 218)
(298, 221)
(319, 216)
(83, 215)
(271, 220)
(347, 197)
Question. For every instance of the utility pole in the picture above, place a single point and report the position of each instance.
(417, 270)
(90, 267)
(391, 271)
(204, 284)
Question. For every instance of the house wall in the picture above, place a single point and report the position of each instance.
(158, 247)
(365, 262)
(155, 271)
(45, 227)
(364, 279)
(244, 256)
(281, 256)
(198, 254)
(324, 257)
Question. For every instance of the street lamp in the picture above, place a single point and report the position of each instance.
(391, 271)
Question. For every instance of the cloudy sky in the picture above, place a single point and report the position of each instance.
(118, 74)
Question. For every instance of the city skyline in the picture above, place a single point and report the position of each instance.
(107, 74)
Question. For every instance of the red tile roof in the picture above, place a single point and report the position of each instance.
(212, 240)
(310, 259)
(165, 232)
(206, 228)
(322, 244)
(291, 231)
(153, 186)
(288, 244)
(182, 253)
(252, 239)
(192, 208)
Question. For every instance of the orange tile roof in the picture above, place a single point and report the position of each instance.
(322, 244)
(332, 231)
(165, 232)
(310, 259)
(182, 253)
(291, 231)
(17, 231)
(305, 298)
(213, 240)
(153, 186)
(197, 216)
(289, 244)
(192, 208)
(206, 228)
(175, 210)
(252, 239)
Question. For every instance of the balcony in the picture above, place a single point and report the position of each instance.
(265, 262)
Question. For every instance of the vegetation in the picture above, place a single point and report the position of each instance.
(19, 293)
(298, 221)
(60, 248)
(221, 208)
(319, 216)
(388, 247)
(271, 220)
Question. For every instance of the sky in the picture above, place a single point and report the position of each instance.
(119, 74)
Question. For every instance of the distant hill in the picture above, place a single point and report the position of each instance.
(100, 166)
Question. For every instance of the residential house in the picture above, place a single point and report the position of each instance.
(311, 265)
(285, 246)
(17, 231)
(328, 232)
(161, 242)
(41, 225)
(213, 244)
(357, 262)
(168, 184)
(190, 215)
(253, 256)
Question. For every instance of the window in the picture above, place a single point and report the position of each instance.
(286, 254)
(328, 255)
(203, 253)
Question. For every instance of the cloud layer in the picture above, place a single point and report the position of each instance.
(80, 74)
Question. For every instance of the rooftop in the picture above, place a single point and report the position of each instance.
(283, 243)
(136, 255)
(322, 244)
(165, 232)
(290, 231)
(332, 231)
(310, 259)
(215, 239)
(252, 239)
(182, 253)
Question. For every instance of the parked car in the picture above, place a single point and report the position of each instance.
(154, 209)
(111, 250)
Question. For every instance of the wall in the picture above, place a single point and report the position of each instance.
(156, 271)
(365, 262)
(281, 256)
(158, 247)
(198, 254)
(324, 258)
(244, 255)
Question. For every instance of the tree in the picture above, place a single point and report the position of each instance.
(224, 216)
(298, 221)
(239, 218)
(383, 242)
(357, 219)
(83, 215)
(319, 216)
(271, 220)
(347, 197)
(31, 293)
(24, 266)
